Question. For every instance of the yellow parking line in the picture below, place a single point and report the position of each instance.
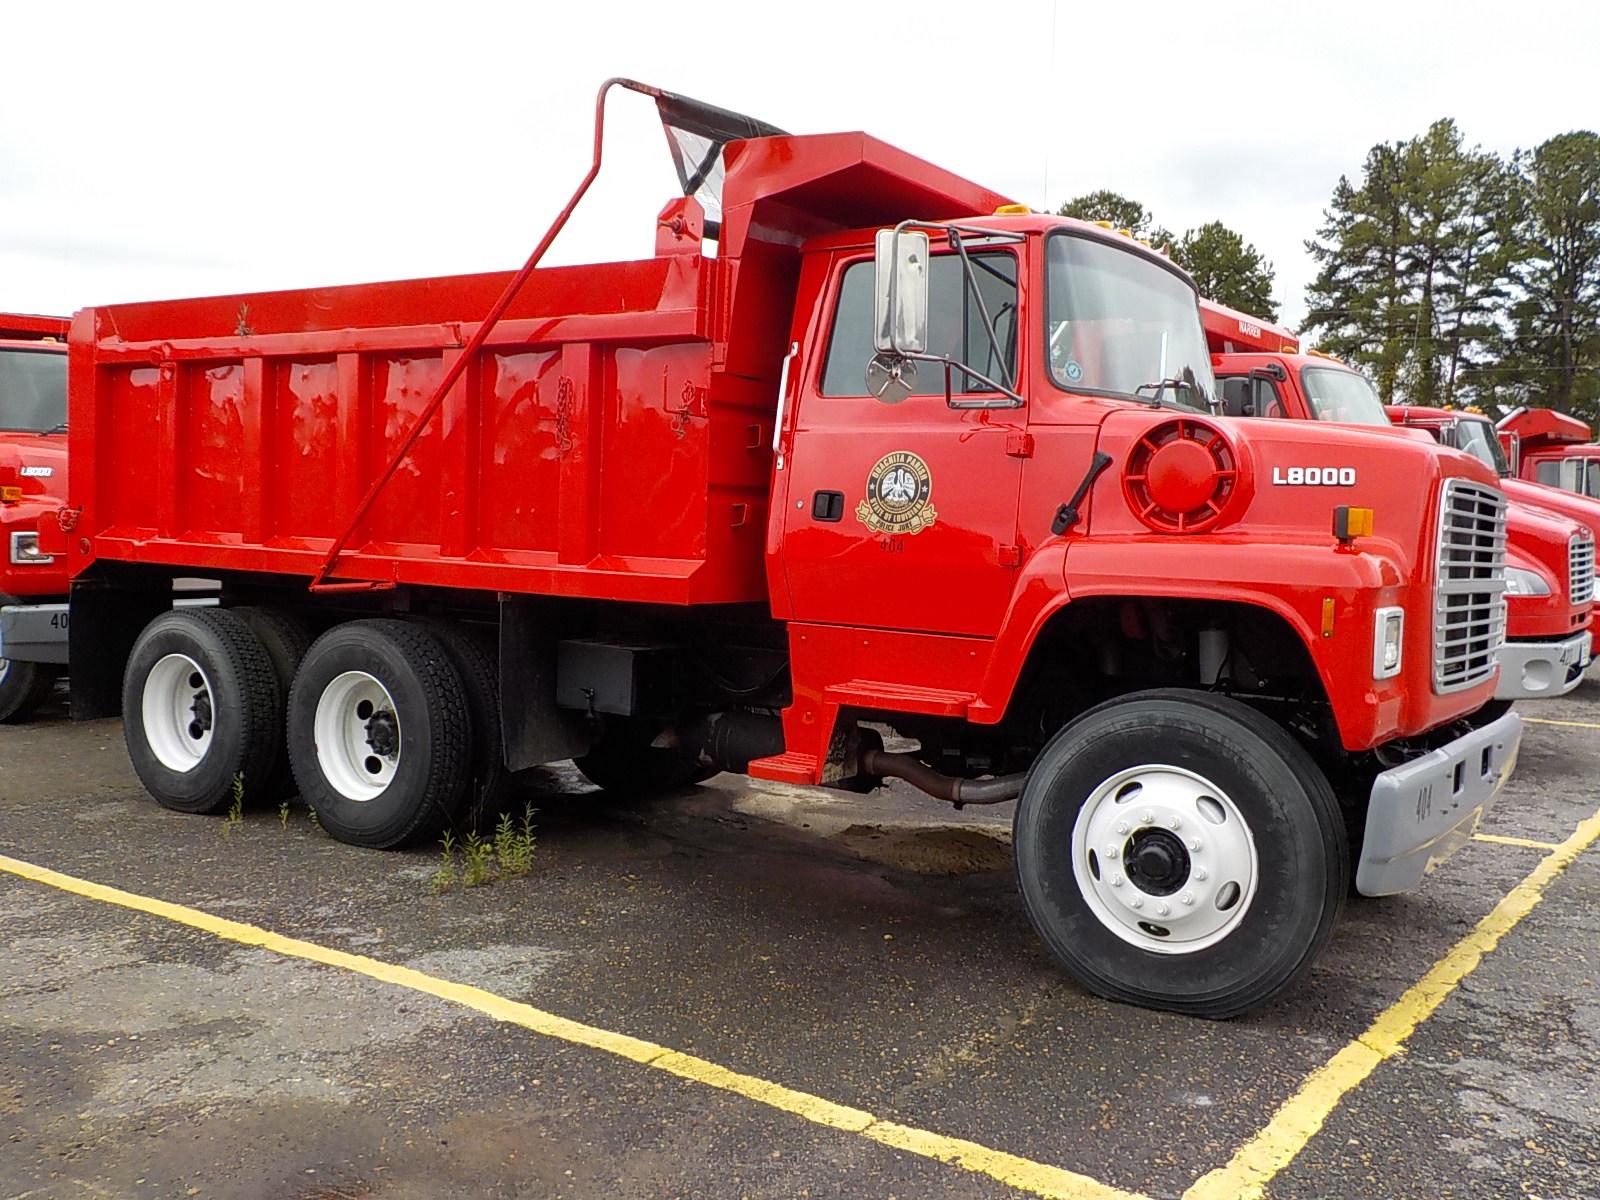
(1526, 843)
(1566, 724)
(1024, 1174)
(1300, 1116)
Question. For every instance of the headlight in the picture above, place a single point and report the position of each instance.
(1388, 635)
(25, 550)
(1525, 583)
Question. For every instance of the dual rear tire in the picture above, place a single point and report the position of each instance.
(373, 719)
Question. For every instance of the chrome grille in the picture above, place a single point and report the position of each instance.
(1580, 569)
(1469, 609)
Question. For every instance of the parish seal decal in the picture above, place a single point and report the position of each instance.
(898, 492)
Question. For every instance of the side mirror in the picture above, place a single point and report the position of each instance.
(900, 286)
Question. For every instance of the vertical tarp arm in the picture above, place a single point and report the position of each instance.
(717, 125)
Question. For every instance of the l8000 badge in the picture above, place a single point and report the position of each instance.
(899, 489)
(1314, 476)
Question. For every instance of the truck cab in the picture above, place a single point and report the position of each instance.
(1551, 448)
(1551, 617)
(33, 485)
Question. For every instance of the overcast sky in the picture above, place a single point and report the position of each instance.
(156, 149)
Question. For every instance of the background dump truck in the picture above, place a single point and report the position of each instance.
(1551, 617)
(33, 485)
(1548, 447)
(886, 457)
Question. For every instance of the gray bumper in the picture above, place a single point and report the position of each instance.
(1535, 670)
(1423, 811)
(34, 633)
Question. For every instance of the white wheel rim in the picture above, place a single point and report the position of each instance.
(178, 710)
(357, 734)
(1137, 881)
(5, 669)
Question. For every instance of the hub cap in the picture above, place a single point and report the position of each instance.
(1164, 859)
(177, 711)
(357, 734)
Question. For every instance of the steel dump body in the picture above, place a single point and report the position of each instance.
(611, 440)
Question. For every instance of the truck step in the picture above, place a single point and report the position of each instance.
(788, 767)
(873, 693)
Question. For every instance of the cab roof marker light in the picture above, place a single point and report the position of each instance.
(1012, 210)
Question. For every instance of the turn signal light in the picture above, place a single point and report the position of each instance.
(10, 494)
(1350, 523)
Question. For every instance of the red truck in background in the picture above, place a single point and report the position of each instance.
(898, 453)
(33, 485)
(1551, 448)
(1551, 617)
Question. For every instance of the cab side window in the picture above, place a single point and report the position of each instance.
(955, 325)
(1550, 473)
(1244, 396)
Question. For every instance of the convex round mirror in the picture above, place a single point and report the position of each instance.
(891, 378)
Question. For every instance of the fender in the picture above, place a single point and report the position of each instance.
(1367, 712)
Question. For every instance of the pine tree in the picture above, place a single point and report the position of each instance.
(1414, 265)
(1551, 354)
(1227, 268)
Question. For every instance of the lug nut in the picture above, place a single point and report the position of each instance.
(1187, 898)
(1116, 881)
(1173, 822)
(1112, 849)
(1122, 828)
(1148, 818)
(1200, 874)
(1137, 902)
(1194, 845)
(1163, 909)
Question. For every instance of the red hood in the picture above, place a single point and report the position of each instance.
(36, 462)
(1573, 507)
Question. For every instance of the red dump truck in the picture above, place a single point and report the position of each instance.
(898, 453)
(1548, 447)
(1551, 618)
(33, 485)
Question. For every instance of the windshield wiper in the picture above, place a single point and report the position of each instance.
(58, 427)
(1177, 385)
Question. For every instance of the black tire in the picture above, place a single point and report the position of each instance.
(286, 639)
(237, 701)
(1285, 801)
(491, 787)
(434, 758)
(623, 761)
(24, 686)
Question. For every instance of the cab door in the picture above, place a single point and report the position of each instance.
(904, 516)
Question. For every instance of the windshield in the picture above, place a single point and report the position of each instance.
(1339, 395)
(1477, 438)
(33, 390)
(1122, 324)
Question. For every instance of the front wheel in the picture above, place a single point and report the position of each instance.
(1180, 851)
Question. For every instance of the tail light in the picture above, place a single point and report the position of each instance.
(1182, 476)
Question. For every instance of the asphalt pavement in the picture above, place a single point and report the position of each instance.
(866, 952)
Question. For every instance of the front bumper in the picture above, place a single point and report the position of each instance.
(1423, 811)
(34, 633)
(1539, 670)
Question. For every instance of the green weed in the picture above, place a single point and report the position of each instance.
(513, 845)
(445, 877)
(235, 816)
(283, 815)
(478, 861)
